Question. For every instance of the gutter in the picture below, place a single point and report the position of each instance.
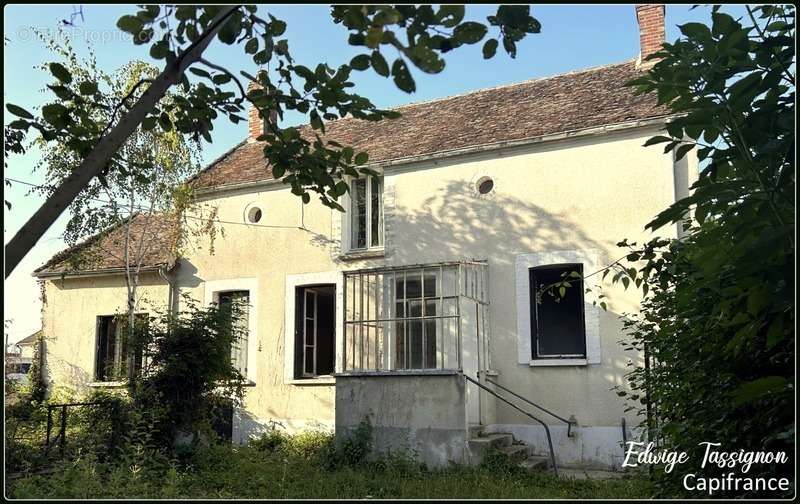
(208, 193)
(92, 273)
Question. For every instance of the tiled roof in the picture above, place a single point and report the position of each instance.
(105, 251)
(566, 102)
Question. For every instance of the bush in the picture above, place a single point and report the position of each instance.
(354, 449)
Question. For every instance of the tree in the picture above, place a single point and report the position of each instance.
(717, 324)
(419, 34)
(139, 205)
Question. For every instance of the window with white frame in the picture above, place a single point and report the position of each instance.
(113, 353)
(238, 302)
(557, 325)
(563, 328)
(365, 225)
(315, 347)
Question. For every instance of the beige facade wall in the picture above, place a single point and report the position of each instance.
(69, 321)
(574, 194)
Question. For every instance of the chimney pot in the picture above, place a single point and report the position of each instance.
(651, 31)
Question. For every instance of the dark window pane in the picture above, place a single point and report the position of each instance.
(358, 222)
(557, 323)
(315, 348)
(376, 212)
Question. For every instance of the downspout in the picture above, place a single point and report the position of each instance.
(163, 271)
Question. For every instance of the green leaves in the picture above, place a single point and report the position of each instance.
(469, 32)
(88, 88)
(55, 114)
(18, 111)
(60, 72)
(402, 77)
(130, 24)
(379, 64)
(360, 62)
(756, 389)
(490, 48)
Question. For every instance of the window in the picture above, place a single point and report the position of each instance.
(113, 352)
(557, 323)
(238, 301)
(415, 303)
(366, 213)
(315, 316)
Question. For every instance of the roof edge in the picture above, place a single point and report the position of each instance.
(210, 191)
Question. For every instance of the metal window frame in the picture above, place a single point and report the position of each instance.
(477, 295)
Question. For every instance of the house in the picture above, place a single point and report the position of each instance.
(19, 357)
(423, 287)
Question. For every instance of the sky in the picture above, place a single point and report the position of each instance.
(573, 37)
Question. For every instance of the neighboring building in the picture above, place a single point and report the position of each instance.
(427, 279)
(19, 357)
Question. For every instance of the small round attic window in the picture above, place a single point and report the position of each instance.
(254, 214)
(484, 185)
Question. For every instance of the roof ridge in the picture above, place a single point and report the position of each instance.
(513, 84)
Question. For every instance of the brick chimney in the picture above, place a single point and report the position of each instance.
(256, 124)
(651, 30)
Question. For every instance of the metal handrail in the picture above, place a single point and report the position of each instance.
(568, 422)
(546, 428)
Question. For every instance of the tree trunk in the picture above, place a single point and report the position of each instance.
(30, 233)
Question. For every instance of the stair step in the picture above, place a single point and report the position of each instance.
(518, 452)
(475, 431)
(535, 463)
(491, 441)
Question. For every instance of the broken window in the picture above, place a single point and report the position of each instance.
(314, 331)
(557, 321)
(366, 213)
(113, 350)
(238, 301)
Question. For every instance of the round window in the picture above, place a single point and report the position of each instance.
(485, 185)
(254, 215)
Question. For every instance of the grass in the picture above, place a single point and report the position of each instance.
(277, 472)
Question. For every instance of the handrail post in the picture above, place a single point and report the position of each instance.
(546, 428)
(568, 422)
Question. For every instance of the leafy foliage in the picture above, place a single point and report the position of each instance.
(188, 369)
(717, 325)
(420, 34)
(220, 472)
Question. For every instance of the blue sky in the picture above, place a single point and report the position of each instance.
(572, 37)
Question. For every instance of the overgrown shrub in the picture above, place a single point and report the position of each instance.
(189, 371)
(354, 449)
(717, 327)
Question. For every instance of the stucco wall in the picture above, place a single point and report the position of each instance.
(69, 321)
(575, 194)
(421, 416)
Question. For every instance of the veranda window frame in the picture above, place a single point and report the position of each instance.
(464, 290)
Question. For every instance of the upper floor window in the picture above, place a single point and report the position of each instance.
(366, 213)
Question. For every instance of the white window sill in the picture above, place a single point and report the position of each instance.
(322, 380)
(558, 362)
(362, 253)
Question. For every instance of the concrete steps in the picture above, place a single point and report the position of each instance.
(480, 443)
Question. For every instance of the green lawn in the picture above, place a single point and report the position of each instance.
(247, 472)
